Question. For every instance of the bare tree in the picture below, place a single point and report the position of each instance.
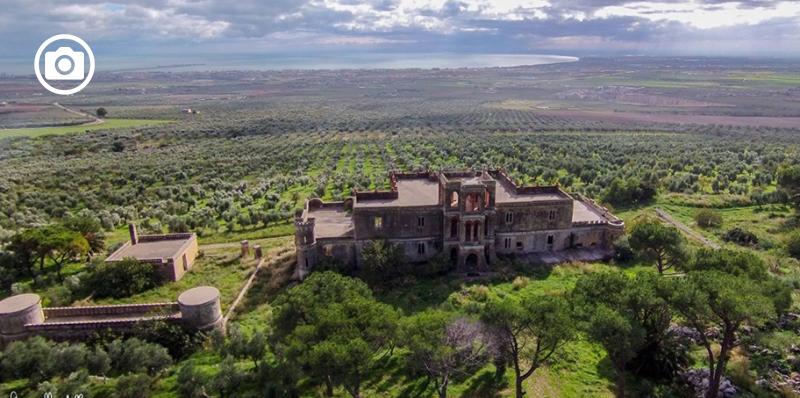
(445, 346)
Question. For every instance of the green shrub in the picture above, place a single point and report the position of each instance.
(793, 244)
(138, 356)
(623, 251)
(707, 218)
(59, 296)
(134, 386)
(740, 236)
(122, 278)
(520, 282)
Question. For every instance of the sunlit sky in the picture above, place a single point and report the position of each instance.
(575, 27)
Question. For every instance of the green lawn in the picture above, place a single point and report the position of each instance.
(109, 124)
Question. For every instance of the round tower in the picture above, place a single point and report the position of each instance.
(305, 242)
(18, 311)
(200, 308)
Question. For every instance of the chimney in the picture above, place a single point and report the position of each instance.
(134, 235)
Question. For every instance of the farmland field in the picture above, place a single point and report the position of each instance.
(107, 124)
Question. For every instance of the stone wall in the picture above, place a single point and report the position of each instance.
(534, 216)
(98, 310)
(398, 222)
(21, 319)
(184, 259)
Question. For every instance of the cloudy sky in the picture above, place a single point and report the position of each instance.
(573, 27)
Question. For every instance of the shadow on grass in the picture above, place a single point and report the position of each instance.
(394, 376)
(485, 385)
(605, 369)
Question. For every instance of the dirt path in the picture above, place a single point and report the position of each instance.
(686, 230)
(95, 120)
(242, 293)
(274, 257)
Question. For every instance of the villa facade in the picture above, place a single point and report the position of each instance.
(471, 216)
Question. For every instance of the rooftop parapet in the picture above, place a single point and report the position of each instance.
(606, 217)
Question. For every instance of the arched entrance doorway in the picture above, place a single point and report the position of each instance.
(471, 263)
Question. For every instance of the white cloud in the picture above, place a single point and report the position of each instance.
(743, 26)
(115, 20)
(699, 16)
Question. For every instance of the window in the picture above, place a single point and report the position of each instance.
(553, 214)
(549, 239)
(378, 222)
(509, 217)
(519, 245)
(420, 222)
(328, 250)
(473, 202)
(421, 248)
(453, 199)
(507, 243)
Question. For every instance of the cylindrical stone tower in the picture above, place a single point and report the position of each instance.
(16, 312)
(200, 308)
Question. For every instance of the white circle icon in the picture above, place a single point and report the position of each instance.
(64, 64)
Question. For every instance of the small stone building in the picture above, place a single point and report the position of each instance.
(470, 216)
(171, 254)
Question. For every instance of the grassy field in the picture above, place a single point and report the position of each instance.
(109, 124)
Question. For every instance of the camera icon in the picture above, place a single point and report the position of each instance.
(63, 64)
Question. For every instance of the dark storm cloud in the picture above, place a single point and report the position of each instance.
(669, 26)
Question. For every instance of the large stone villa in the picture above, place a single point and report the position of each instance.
(471, 216)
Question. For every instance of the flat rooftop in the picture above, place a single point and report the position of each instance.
(507, 194)
(166, 248)
(581, 212)
(410, 192)
(332, 223)
(18, 303)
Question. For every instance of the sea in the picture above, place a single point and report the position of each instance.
(275, 61)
